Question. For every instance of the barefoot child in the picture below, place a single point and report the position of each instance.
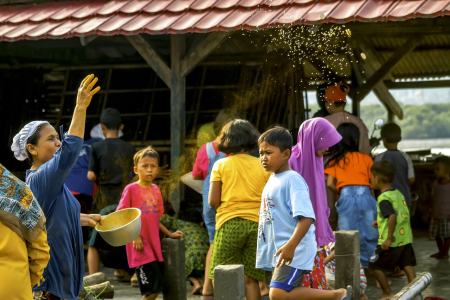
(393, 223)
(440, 207)
(286, 240)
(235, 192)
(348, 175)
(144, 253)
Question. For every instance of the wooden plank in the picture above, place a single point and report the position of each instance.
(197, 109)
(417, 84)
(403, 50)
(108, 83)
(151, 57)
(126, 91)
(380, 90)
(203, 49)
(325, 70)
(177, 114)
(147, 125)
(63, 97)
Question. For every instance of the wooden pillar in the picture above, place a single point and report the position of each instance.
(177, 115)
(391, 115)
(356, 100)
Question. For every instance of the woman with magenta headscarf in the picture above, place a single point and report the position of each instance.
(52, 158)
(315, 136)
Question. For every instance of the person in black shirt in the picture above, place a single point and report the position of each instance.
(111, 167)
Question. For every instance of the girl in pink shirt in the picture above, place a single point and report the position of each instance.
(144, 253)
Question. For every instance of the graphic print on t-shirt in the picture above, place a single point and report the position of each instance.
(150, 206)
(266, 216)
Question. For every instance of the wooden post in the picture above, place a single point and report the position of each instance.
(348, 261)
(356, 102)
(177, 114)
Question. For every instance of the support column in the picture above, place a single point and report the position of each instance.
(356, 103)
(173, 251)
(348, 261)
(229, 282)
(177, 115)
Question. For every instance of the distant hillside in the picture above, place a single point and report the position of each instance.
(428, 121)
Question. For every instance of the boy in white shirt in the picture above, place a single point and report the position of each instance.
(286, 210)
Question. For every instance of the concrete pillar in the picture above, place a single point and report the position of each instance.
(174, 269)
(229, 282)
(347, 261)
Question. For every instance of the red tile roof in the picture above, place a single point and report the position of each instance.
(128, 17)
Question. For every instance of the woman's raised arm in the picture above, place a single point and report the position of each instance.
(84, 97)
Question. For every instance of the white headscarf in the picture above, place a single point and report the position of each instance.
(19, 144)
(97, 133)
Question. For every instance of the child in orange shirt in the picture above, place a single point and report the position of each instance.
(348, 175)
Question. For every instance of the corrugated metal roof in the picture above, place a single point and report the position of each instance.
(129, 17)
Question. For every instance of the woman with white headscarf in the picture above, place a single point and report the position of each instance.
(51, 161)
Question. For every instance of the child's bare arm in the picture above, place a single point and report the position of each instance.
(287, 251)
(331, 184)
(173, 235)
(392, 223)
(138, 245)
(329, 258)
(215, 192)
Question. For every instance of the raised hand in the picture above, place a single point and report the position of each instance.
(85, 91)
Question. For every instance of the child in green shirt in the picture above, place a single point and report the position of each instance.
(393, 223)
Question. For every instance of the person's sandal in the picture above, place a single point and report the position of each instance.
(348, 296)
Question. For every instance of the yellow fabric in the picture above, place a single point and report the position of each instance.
(243, 180)
(21, 263)
(206, 134)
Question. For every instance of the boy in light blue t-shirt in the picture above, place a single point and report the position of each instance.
(286, 240)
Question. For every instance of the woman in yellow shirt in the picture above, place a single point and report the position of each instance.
(24, 250)
(235, 192)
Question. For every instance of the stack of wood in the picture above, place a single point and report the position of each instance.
(96, 286)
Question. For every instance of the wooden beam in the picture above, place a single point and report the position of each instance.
(203, 49)
(418, 84)
(403, 50)
(151, 57)
(381, 91)
(325, 70)
(177, 114)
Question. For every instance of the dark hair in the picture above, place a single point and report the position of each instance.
(33, 140)
(339, 104)
(111, 118)
(224, 116)
(278, 137)
(273, 126)
(383, 169)
(238, 135)
(193, 215)
(445, 160)
(320, 94)
(349, 143)
(391, 132)
(149, 151)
